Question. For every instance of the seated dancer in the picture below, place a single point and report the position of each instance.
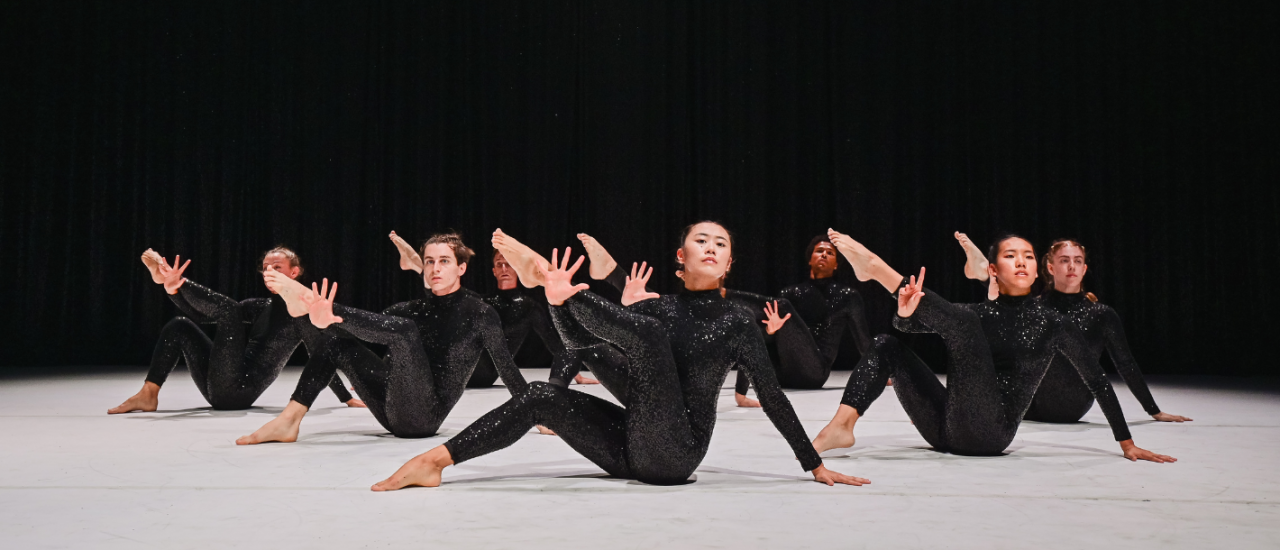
(254, 338)
(680, 348)
(826, 310)
(999, 350)
(1062, 395)
(519, 314)
(433, 345)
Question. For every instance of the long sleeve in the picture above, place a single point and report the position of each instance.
(1118, 348)
(754, 361)
(200, 303)
(495, 343)
(378, 328)
(604, 321)
(1071, 344)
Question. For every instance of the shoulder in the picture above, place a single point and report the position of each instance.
(401, 309)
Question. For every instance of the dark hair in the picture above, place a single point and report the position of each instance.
(289, 254)
(684, 234)
(813, 244)
(1048, 258)
(454, 240)
(994, 252)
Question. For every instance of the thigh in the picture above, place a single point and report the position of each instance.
(594, 427)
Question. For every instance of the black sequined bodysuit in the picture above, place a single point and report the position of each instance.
(521, 314)
(253, 340)
(998, 350)
(433, 345)
(806, 346)
(680, 348)
(1063, 396)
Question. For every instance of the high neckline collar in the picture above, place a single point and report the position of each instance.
(713, 293)
(446, 299)
(1070, 297)
(1012, 301)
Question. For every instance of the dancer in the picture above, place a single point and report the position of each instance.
(520, 314)
(1062, 395)
(254, 338)
(998, 350)
(433, 345)
(680, 349)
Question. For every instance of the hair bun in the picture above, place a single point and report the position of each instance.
(1091, 297)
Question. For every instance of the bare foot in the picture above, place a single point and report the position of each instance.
(602, 263)
(975, 265)
(152, 259)
(522, 258)
(420, 471)
(357, 404)
(744, 401)
(544, 430)
(866, 264)
(837, 434)
(290, 290)
(409, 258)
(146, 400)
(584, 380)
(283, 428)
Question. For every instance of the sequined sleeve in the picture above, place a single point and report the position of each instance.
(495, 343)
(200, 303)
(605, 321)
(1069, 342)
(378, 328)
(754, 361)
(1118, 348)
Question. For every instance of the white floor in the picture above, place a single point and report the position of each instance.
(71, 476)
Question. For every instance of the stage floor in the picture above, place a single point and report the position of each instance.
(71, 476)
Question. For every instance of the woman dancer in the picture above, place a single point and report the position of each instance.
(255, 338)
(520, 314)
(1062, 395)
(680, 349)
(999, 351)
(433, 345)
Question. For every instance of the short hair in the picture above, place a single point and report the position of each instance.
(288, 253)
(814, 242)
(994, 252)
(454, 240)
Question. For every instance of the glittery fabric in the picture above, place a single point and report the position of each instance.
(433, 345)
(680, 348)
(998, 350)
(806, 346)
(1062, 395)
(520, 315)
(252, 342)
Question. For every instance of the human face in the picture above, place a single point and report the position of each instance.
(822, 263)
(441, 271)
(1068, 268)
(1015, 267)
(706, 255)
(503, 272)
(277, 261)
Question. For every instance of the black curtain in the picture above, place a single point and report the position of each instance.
(215, 130)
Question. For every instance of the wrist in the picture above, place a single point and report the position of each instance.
(1127, 444)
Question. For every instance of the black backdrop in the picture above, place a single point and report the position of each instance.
(217, 129)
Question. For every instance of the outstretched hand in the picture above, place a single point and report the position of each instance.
(909, 296)
(558, 281)
(831, 477)
(320, 304)
(636, 283)
(172, 274)
(1135, 453)
(771, 321)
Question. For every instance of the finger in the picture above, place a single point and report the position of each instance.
(314, 289)
(647, 274)
(555, 255)
(183, 268)
(581, 286)
(921, 276)
(335, 291)
(337, 319)
(576, 264)
(787, 317)
(634, 270)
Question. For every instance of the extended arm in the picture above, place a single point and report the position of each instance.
(202, 304)
(754, 361)
(1118, 347)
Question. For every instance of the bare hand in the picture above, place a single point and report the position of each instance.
(909, 296)
(558, 281)
(320, 305)
(356, 404)
(771, 322)
(636, 282)
(409, 258)
(1135, 453)
(544, 430)
(1166, 417)
(173, 278)
(822, 475)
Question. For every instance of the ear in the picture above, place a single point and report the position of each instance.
(680, 254)
(991, 270)
(1049, 266)
(1084, 269)
(462, 269)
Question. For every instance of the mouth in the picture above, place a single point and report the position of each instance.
(709, 260)
(1020, 273)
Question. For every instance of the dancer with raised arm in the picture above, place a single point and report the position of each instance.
(680, 348)
(433, 345)
(520, 315)
(998, 351)
(1062, 395)
(254, 338)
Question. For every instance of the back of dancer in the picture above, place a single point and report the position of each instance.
(254, 338)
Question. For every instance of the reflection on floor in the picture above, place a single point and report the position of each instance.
(71, 476)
